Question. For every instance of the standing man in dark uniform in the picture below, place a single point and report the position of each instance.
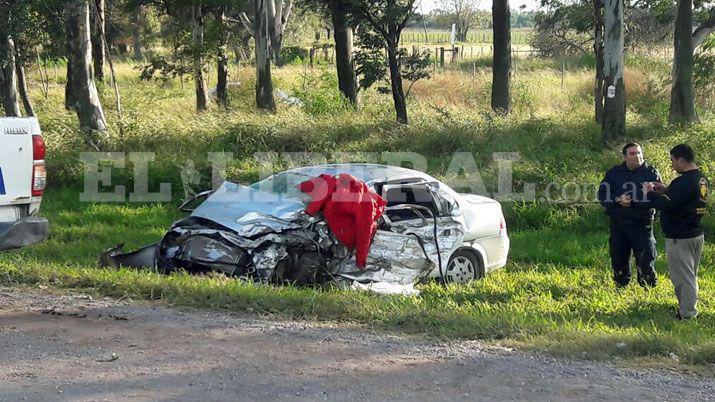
(682, 205)
(631, 217)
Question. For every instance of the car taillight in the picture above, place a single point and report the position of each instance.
(502, 225)
(39, 173)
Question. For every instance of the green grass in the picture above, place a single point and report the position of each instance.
(555, 294)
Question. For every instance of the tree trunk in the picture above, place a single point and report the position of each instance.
(70, 99)
(462, 29)
(264, 81)
(398, 93)
(614, 116)
(682, 98)
(347, 81)
(278, 15)
(98, 28)
(8, 78)
(598, 53)
(501, 65)
(245, 47)
(84, 92)
(197, 34)
(22, 87)
(138, 19)
(273, 10)
(222, 56)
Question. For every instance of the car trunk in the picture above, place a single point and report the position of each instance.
(489, 220)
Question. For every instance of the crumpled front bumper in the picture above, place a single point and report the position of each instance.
(24, 232)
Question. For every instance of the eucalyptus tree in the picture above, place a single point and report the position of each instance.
(275, 16)
(83, 97)
(8, 76)
(24, 29)
(614, 117)
(99, 32)
(262, 36)
(342, 25)
(682, 96)
(381, 24)
(501, 58)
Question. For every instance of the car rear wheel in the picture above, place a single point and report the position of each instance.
(463, 267)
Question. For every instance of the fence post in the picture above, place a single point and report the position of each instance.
(441, 57)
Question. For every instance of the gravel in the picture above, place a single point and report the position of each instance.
(74, 347)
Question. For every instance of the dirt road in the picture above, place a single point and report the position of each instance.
(79, 349)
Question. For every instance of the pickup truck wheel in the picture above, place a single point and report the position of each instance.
(463, 267)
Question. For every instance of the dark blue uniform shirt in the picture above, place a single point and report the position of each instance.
(620, 181)
(683, 205)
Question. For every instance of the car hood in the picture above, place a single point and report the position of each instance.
(251, 212)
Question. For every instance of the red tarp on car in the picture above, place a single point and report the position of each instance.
(350, 207)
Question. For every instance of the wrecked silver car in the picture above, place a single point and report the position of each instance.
(262, 232)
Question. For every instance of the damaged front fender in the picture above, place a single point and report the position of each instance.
(243, 232)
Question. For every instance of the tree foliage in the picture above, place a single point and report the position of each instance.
(566, 27)
(704, 71)
(380, 25)
(464, 14)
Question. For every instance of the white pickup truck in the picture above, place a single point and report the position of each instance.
(22, 182)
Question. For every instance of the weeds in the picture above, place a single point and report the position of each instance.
(555, 294)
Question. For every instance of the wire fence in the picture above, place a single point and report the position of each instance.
(441, 55)
(415, 35)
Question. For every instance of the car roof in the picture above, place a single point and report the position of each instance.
(367, 172)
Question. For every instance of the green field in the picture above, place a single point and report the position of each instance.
(555, 294)
(519, 36)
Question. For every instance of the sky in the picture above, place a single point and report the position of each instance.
(531, 5)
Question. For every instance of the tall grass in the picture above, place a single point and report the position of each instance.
(555, 294)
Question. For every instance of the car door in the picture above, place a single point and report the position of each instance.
(420, 211)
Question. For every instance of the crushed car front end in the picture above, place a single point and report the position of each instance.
(262, 232)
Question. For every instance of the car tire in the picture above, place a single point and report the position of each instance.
(463, 267)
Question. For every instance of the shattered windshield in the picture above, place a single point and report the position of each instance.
(285, 184)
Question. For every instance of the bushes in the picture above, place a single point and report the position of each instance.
(320, 93)
(294, 55)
